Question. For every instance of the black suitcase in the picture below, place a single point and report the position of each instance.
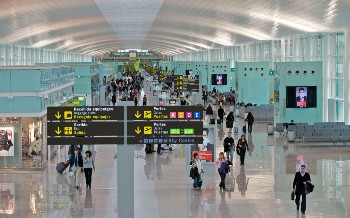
(212, 121)
(61, 167)
(219, 121)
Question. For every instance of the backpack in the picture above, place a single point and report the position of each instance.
(224, 167)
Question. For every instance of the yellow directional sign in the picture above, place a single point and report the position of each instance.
(58, 115)
(68, 130)
(58, 131)
(138, 130)
(68, 115)
(147, 114)
(138, 115)
(147, 130)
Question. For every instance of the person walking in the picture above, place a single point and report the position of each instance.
(221, 114)
(223, 167)
(242, 147)
(144, 100)
(89, 165)
(250, 120)
(229, 146)
(209, 112)
(70, 152)
(301, 179)
(196, 170)
(229, 121)
(135, 100)
(76, 162)
(205, 96)
(114, 99)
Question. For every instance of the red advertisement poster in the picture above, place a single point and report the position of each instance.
(204, 155)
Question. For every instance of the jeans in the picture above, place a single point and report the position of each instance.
(250, 127)
(88, 174)
(223, 177)
(229, 154)
(196, 181)
(242, 156)
(303, 199)
(70, 168)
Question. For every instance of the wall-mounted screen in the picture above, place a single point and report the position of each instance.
(301, 96)
(219, 79)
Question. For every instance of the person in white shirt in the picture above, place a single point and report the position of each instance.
(196, 170)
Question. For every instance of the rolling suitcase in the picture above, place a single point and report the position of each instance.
(212, 121)
(244, 129)
(62, 166)
(218, 121)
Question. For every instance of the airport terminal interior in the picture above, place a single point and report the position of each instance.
(174, 108)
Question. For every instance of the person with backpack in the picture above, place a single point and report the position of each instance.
(223, 168)
(196, 170)
(144, 100)
(250, 120)
(242, 147)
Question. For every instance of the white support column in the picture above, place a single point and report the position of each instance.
(326, 70)
(283, 50)
(346, 66)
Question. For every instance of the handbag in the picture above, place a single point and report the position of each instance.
(292, 196)
(238, 151)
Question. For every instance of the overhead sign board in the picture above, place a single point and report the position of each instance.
(165, 113)
(85, 113)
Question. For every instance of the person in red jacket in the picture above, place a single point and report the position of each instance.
(144, 100)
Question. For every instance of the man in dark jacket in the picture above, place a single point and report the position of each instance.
(221, 114)
(299, 184)
(76, 162)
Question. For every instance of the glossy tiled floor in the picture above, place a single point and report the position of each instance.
(163, 189)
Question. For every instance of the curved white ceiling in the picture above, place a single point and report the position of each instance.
(166, 26)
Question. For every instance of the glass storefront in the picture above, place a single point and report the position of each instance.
(22, 142)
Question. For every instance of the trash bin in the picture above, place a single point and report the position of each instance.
(291, 135)
(270, 129)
